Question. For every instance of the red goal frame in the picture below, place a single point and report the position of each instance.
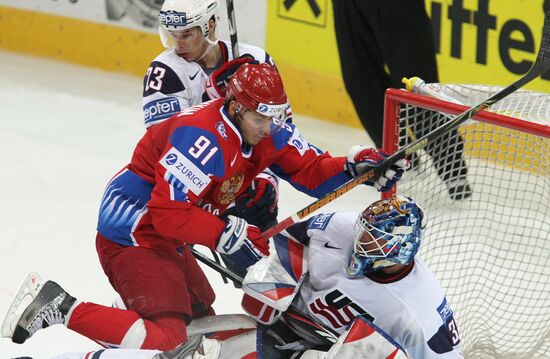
(395, 97)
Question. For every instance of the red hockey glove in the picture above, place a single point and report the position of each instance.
(361, 159)
(242, 243)
(217, 82)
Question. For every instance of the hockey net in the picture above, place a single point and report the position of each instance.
(490, 245)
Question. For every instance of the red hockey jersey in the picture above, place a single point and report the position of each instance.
(187, 170)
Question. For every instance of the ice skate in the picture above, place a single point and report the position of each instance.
(37, 305)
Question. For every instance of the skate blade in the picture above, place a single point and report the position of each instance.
(26, 294)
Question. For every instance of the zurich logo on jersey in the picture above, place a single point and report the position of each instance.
(171, 158)
(172, 18)
(221, 130)
(263, 108)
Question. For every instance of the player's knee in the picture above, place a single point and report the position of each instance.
(164, 333)
(135, 336)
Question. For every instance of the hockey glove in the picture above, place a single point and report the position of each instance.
(258, 204)
(242, 243)
(361, 159)
(217, 82)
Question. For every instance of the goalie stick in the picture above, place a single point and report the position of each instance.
(542, 64)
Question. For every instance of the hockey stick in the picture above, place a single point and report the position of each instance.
(542, 64)
(232, 28)
(294, 317)
(216, 266)
(235, 50)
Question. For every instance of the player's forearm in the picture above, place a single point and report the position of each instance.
(317, 175)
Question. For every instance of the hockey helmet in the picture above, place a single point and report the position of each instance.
(179, 15)
(386, 233)
(259, 88)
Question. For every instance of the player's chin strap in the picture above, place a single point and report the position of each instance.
(211, 45)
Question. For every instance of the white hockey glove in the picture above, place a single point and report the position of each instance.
(361, 159)
(242, 243)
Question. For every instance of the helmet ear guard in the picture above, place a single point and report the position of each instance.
(388, 232)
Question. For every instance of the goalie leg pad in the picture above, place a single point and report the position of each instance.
(223, 322)
(196, 347)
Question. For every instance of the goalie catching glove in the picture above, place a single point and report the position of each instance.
(362, 159)
(242, 243)
(217, 82)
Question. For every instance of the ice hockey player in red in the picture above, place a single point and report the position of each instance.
(196, 67)
(183, 175)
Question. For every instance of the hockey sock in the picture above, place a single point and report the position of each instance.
(114, 327)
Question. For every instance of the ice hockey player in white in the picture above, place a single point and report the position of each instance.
(177, 78)
(364, 265)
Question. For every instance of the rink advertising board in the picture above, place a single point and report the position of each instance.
(487, 41)
(300, 36)
(478, 41)
(115, 35)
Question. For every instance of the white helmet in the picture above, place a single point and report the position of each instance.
(178, 15)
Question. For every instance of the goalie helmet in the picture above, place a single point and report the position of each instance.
(386, 233)
(259, 88)
(179, 15)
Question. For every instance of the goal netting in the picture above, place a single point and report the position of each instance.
(485, 190)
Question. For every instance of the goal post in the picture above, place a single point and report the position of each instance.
(485, 189)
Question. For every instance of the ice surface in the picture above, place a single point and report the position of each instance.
(65, 131)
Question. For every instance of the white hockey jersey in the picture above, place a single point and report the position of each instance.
(411, 307)
(172, 84)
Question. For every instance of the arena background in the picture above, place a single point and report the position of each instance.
(478, 41)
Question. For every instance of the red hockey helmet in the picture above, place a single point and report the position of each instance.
(259, 88)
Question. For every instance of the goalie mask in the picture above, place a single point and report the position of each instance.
(259, 88)
(179, 15)
(386, 233)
